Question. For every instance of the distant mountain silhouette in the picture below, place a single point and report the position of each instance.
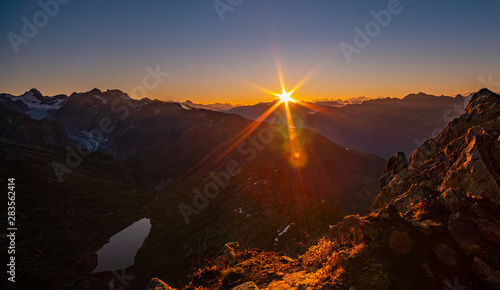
(380, 126)
(163, 142)
(221, 107)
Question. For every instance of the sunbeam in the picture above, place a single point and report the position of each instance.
(230, 145)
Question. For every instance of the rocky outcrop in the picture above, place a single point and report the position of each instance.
(395, 165)
(229, 249)
(463, 158)
(452, 181)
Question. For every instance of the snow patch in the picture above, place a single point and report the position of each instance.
(185, 107)
(37, 110)
(284, 231)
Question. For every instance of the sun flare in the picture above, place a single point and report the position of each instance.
(285, 96)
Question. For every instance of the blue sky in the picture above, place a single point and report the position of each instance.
(439, 47)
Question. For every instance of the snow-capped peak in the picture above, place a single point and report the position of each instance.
(39, 106)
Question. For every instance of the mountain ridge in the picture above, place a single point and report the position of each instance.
(157, 140)
(378, 126)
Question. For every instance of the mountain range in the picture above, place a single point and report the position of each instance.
(379, 126)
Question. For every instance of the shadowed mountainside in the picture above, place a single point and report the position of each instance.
(20, 127)
(63, 222)
(163, 142)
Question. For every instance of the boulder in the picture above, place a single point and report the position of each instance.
(229, 250)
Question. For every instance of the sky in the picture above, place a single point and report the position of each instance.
(234, 50)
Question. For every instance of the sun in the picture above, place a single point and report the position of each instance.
(285, 96)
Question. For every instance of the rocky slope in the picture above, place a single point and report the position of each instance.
(435, 224)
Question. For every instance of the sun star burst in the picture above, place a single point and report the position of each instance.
(285, 96)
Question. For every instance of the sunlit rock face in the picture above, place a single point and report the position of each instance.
(439, 210)
(451, 185)
(464, 157)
